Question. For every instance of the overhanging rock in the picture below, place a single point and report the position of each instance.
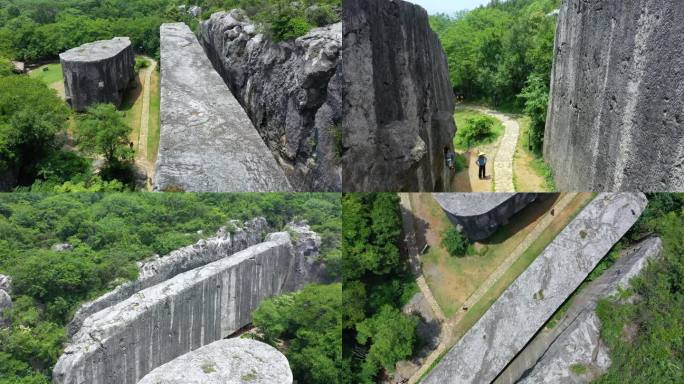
(122, 343)
(207, 142)
(232, 361)
(516, 316)
(479, 215)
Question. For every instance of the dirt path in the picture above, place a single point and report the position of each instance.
(141, 150)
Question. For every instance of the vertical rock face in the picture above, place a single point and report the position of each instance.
(398, 99)
(157, 270)
(207, 143)
(479, 215)
(291, 91)
(576, 340)
(516, 316)
(232, 361)
(616, 109)
(5, 298)
(98, 72)
(122, 343)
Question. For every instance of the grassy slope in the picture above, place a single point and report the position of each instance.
(153, 133)
(532, 161)
(51, 76)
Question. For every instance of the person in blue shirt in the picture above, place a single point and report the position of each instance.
(482, 163)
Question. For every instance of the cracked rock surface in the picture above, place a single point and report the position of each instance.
(525, 306)
(207, 143)
(616, 109)
(398, 99)
(231, 361)
(291, 90)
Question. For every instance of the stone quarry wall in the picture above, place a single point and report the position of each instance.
(577, 338)
(398, 99)
(207, 142)
(122, 343)
(291, 90)
(98, 72)
(479, 215)
(231, 361)
(616, 110)
(516, 316)
(159, 269)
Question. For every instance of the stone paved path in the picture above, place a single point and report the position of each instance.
(141, 151)
(503, 162)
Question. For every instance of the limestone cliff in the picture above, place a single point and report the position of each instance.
(398, 99)
(291, 90)
(616, 110)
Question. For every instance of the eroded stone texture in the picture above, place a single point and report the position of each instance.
(207, 142)
(485, 350)
(5, 298)
(98, 72)
(398, 99)
(479, 215)
(158, 269)
(122, 343)
(231, 361)
(577, 338)
(616, 109)
(291, 90)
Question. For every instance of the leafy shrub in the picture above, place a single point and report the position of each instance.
(320, 15)
(478, 129)
(285, 28)
(141, 63)
(456, 244)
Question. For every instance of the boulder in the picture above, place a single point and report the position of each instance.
(62, 247)
(5, 303)
(5, 283)
(616, 109)
(231, 361)
(398, 99)
(98, 72)
(207, 143)
(527, 304)
(292, 91)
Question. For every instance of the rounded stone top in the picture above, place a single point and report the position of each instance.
(230, 361)
(97, 50)
(470, 204)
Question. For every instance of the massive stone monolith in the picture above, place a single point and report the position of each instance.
(122, 343)
(616, 109)
(207, 143)
(479, 215)
(576, 339)
(98, 72)
(526, 305)
(231, 361)
(291, 90)
(229, 240)
(398, 99)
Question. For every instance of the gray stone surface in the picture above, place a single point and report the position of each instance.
(5, 283)
(122, 343)
(159, 269)
(576, 339)
(516, 316)
(616, 110)
(398, 99)
(479, 215)
(5, 303)
(98, 72)
(207, 142)
(231, 361)
(291, 90)
(62, 247)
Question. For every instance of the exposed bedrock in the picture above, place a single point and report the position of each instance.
(122, 343)
(526, 305)
(616, 111)
(291, 90)
(398, 99)
(5, 298)
(98, 72)
(231, 361)
(229, 240)
(576, 339)
(479, 215)
(207, 143)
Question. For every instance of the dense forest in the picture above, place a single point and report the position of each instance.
(376, 284)
(109, 233)
(502, 55)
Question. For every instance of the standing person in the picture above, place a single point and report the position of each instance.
(482, 163)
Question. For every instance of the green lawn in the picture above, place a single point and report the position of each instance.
(52, 75)
(153, 133)
(461, 116)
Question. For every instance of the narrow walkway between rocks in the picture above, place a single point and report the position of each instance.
(503, 161)
(141, 151)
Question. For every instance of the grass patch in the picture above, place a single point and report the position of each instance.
(153, 132)
(525, 156)
(208, 367)
(578, 369)
(462, 116)
(52, 75)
